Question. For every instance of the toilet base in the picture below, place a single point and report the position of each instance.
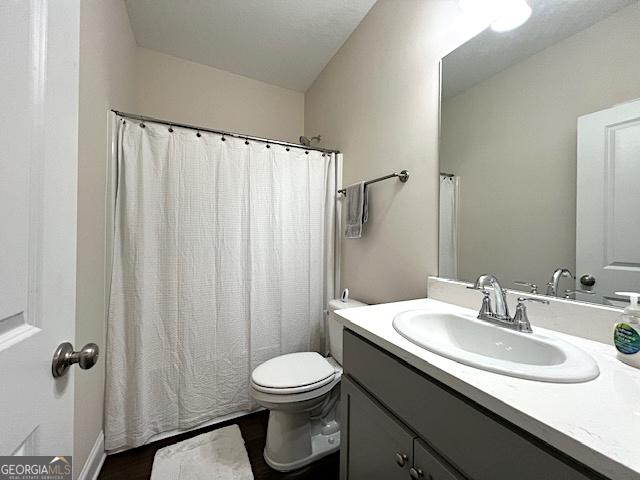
(296, 439)
(321, 446)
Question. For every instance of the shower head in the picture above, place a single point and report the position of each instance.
(306, 141)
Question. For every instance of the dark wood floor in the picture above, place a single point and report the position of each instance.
(136, 464)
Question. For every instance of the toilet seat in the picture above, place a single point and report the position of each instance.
(293, 373)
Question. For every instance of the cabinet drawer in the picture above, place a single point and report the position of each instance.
(480, 444)
(374, 445)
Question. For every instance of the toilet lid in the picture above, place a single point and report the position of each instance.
(294, 370)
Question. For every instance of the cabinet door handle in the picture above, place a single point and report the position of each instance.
(401, 459)
(416, 473)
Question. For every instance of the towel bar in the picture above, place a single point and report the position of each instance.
(403, 176)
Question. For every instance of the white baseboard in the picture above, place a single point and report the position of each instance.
(92, 466)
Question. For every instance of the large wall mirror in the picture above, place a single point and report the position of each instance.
(540, 153)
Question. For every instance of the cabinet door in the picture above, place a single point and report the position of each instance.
(428, 466)
(374, 445)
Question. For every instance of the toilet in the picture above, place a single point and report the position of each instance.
(302, 392)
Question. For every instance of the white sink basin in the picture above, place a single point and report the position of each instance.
(482, 345)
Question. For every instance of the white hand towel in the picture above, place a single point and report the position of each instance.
(357, 209)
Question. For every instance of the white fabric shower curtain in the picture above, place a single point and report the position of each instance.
(448, 250)
(223, 258)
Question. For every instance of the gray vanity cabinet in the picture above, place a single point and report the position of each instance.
(390, 408)
(379, 446)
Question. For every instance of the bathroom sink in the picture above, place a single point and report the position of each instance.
(479, 344)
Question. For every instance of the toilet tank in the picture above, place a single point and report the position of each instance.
(335, 325)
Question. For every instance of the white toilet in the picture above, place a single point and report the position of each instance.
(302, 392)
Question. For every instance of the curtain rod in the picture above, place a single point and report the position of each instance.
(134, 116)
(450, 175)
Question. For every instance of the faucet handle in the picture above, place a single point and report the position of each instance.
(482, 290)
(521, 300)
(521, 319)
(568, 293)
(486, 308)
(532, 286)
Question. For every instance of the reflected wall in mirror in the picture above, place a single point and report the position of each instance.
(540, 138)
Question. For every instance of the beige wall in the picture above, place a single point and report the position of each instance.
(175, 89)
(107, 54)
(377, 101)
(516, 132)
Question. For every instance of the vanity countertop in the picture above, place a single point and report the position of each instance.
(597, 422)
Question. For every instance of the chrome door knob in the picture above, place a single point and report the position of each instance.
(588, 280)
(65, 356)
(401, 459)
(416, 473)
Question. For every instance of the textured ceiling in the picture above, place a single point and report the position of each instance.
(281, 42)
(490, 52)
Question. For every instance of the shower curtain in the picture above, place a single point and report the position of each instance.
(448, 250)
(223, 258)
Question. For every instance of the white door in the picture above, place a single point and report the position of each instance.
(608, 200)
(38, 164)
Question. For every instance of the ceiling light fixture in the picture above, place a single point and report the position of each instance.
(502, 15)
(515, 13)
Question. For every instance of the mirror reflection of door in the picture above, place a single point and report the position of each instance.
(509, 128)
(608, 200)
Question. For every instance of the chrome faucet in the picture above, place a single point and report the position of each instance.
(501, 317)
(552, 286)
(502, 309)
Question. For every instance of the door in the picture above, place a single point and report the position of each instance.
(608, 200)
(374, 445)
(38, 164)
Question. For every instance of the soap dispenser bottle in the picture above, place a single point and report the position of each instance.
(626, 335)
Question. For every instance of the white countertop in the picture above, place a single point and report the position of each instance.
(597, 422)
